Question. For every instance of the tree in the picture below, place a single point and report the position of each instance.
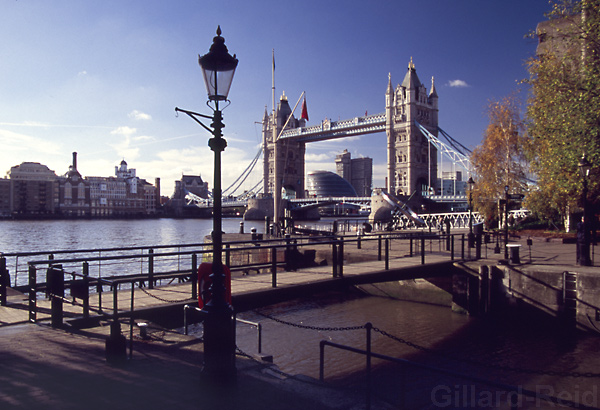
(563, 120)
(499, 161)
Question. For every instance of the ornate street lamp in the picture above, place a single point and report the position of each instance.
(218, 67)
(506, 222)
(584, 252)
(471, 237)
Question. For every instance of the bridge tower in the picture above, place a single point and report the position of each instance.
(283, 166)
(412, 160)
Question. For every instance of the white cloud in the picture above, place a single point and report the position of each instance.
(143, 138)
(139, 116)
(317, 158)
(458, 83)
(22, 143)
(125, 131)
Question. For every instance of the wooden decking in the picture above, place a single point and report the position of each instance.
(248, 291)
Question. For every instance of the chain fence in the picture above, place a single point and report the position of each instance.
(436, 352)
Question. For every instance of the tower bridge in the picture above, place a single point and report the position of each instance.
(410, 121)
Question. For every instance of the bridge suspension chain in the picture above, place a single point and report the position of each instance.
(245, 174)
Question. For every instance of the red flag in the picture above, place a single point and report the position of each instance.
(304, 115)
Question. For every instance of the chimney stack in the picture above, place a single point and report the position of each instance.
(75, 161)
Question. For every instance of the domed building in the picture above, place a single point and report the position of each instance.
(328, 184)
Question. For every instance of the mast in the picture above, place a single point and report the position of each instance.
(276, 177)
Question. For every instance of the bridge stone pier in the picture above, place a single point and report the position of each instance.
(258, 209)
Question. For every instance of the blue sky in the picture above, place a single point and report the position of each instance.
(102, 78)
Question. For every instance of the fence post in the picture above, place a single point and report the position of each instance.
(228, 254)
(259, 331)
(462, 246)
(369, 327)
(274, 267)
(4, 279)
(379, 248)
(422, 250)
(288, 254)
(334, 258)
(115, 304)
(341, 256)
(387, 254)
(56, 283)
(410, 252)
(86, 287)
(194, 276)
(321, 360)
(452, 247)
(150, 268)
(32, 294)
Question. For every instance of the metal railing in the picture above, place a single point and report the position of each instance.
(147, 267)
(512, 396)
(192, 308)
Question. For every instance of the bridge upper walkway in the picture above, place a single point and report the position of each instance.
(336, 129)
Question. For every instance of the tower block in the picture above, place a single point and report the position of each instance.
(284, 159)
(412, 160)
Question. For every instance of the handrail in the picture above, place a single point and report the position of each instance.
(369, 354)
(257, 325)
(263, 255)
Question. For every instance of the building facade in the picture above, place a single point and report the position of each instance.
(452, 183)
(33, 190)
(357, 171)
(124, 195)
(73, 193)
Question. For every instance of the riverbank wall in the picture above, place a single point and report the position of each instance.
(566, 296)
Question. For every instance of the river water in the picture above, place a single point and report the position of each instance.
(529, 354)
(30, 236)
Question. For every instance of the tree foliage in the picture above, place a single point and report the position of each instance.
(563, 113)
(499, 161)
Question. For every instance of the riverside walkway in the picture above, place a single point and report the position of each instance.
(45, 367)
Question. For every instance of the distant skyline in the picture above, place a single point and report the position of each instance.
(103, 78)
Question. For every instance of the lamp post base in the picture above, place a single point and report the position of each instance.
(219, 344)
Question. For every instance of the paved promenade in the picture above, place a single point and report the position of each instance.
(45, 368)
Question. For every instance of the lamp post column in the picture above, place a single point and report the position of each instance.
(471, 239)
(585, 250)
(219, 330)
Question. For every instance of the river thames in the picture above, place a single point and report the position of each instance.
(530, 354)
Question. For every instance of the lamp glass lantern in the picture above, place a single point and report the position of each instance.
(584, 166)
(471, 183)
(218, 68)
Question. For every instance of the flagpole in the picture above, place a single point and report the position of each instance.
(276, 167)
(273, 83)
